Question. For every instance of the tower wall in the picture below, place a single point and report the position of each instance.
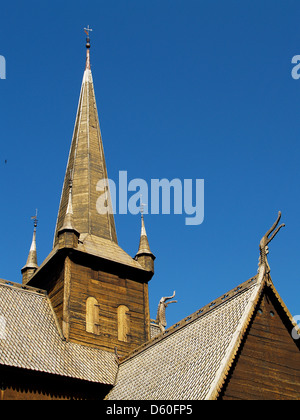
(89, 295)
(110, 289)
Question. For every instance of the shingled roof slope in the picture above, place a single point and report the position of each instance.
(30, 338)
(189, 361)
(106, 249)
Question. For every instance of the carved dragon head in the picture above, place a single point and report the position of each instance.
(266, 239)
(163, 300)
(161, 311)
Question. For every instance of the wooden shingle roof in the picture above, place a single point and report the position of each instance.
(182, 364)
(31, 339)
(191, 360)
(106, 249)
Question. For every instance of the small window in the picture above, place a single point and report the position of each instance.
(123, 323)
(92, 315)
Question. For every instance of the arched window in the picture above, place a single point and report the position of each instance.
(92, 316)
(123, 323)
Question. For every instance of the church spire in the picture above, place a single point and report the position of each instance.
(86, 253)
(31, 265)
(87, 162)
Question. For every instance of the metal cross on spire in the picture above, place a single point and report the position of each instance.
(35, 218)
(87, 31)
(88, 46)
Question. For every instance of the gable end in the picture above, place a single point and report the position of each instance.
(267, 366)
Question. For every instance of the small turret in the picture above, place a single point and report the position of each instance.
(144, 255)
(67, 234)
(31, 265)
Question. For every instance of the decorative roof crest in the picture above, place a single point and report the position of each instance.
(161, 311)
(266, 239)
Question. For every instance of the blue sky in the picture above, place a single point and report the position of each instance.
(185, 89)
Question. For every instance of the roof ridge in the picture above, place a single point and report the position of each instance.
(243, 287)
(22, 287)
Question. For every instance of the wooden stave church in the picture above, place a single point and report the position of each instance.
(79, 325)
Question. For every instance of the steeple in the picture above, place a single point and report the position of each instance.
(87, 162)
(144, 255)
(31, 265)
(99, 293)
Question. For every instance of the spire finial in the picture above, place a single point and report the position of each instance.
(35, 219)
(87, 31)
(142, 205)
(88, 46)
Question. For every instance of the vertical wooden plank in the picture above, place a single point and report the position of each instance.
(66, 302)
(147, 312)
